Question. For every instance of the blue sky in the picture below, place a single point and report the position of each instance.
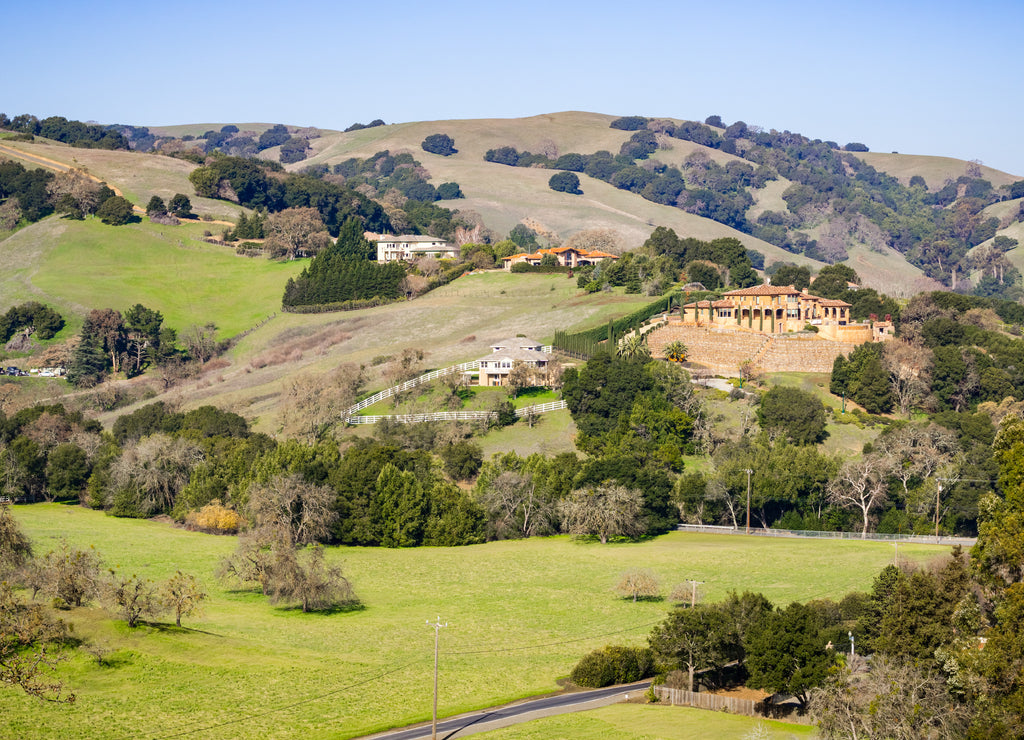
(932, 77)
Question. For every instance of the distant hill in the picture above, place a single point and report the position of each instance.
(906, 223)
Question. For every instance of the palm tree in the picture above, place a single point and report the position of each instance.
(676, 351)
(633, 347)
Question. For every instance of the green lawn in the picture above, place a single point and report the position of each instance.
(91, 265)
(520, 614)
(648, 722)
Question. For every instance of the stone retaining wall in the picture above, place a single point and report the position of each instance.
(724, 350)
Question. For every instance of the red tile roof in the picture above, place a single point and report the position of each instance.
(766, 290)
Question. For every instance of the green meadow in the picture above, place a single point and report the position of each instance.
(519, 614)
(650, 722)
(167, 268)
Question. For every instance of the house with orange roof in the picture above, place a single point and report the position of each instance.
(566, 256)
(775, 309)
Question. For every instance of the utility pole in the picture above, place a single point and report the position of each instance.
(437, 632)
(693, 592)
(938, 493)
(749, 471)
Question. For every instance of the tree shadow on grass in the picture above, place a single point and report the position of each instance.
(338, 609)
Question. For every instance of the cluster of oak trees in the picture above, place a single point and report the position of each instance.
(33, 194)
(31, 637)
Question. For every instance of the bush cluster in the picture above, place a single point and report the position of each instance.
(612, 665)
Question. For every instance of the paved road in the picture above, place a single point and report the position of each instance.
(491, 719)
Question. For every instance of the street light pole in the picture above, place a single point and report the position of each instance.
(749, 471)
(437, 631)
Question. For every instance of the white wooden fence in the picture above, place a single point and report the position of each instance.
(425, 378)
(762, 532)
(454, 415)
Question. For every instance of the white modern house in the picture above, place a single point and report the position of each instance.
(494, 368)
(408, 248)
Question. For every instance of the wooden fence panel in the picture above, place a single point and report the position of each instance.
(700, 700)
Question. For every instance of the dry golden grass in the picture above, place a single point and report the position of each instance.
(139, 176)
(934, 170)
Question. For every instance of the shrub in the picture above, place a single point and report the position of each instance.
(565, 182)
(613, 665)
(629, 123)
(439, 144)
(115, 211)
(215, 518)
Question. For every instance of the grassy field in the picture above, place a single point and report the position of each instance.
(81, 265)
(520, 614)
(649, 722)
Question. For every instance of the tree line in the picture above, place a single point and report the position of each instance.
(74, 133)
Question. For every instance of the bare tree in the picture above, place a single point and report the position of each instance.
(200, 341)
(915, 452)
(315, 403)
(296, 232)
(15, 548)
(297, 512)
(896, 699)
(306, 578)
(68, 574)
(455, 382)
(638, 583)
(83, 190)
(687, 592)
(909, 366)
(406, 366)
(181, 594)
(514, 508)
(605, 511)
(153, 471)
(251, 561)
(860, 485)
(131, 597)
(602, 240)
(719, 492)
(10, 214)
(520, 377)
(27, 637)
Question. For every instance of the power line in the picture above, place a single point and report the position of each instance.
(257, 715)
(553, 644)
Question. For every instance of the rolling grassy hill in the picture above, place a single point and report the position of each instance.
(77, 266)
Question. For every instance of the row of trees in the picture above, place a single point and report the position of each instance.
(344, 271)
(74, 133)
